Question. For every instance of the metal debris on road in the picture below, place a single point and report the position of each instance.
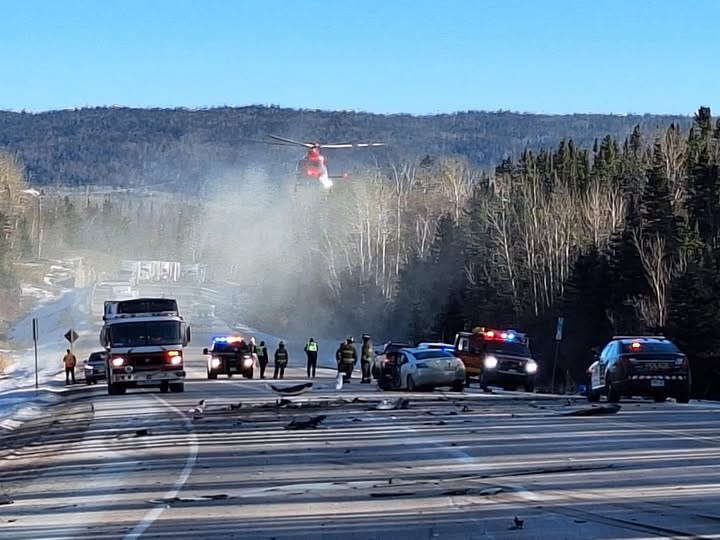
(392, 404)
(294, 390)
(306, 422)
(595, 410)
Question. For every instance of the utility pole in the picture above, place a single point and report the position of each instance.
(558, 339)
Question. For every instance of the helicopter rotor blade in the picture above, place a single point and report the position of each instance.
(290, 141)
(352, 145)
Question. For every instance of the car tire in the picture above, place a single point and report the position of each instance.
(659, 399)
(483, 383)
(177, 387)
(229, 375)
(164, 387)
(250, 374)
(410, 384)
(529, 387)
(212, 374)
(683, 398)
(458, 386)
(88, 381)
(612, 395)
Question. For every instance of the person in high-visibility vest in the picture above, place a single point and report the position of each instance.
(262, 354)
(311, 350)
(281, 361)
(69, 361)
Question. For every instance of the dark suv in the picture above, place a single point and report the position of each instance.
(229, 356)
(647, 366)
(94, 368)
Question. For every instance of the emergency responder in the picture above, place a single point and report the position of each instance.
(281, 360)
(69, 361)
(366, 358)
(311, 350)
(262, 354)
(348, 358)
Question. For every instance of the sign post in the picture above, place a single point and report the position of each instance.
(558, 339)
(72, 337)
(35, 342)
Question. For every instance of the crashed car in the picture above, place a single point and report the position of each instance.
(422, 369)
(94, 368)
(230, 355)
(384, 354)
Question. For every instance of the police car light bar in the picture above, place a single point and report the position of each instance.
(227, 339)
(639, 337)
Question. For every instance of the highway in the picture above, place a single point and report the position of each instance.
(469, 465)
(449, 466)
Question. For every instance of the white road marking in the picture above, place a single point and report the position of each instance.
(155, 513)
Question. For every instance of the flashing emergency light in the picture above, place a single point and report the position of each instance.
(227, 339)
(635, 345)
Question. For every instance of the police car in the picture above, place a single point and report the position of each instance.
(647, 366)
(229, 355)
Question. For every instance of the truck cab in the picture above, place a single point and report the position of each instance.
(497, 357)
(144, 339)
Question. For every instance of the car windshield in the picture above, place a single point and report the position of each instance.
(507, 347)
(145, 333)
(235, 347)
(650, 347)
(429, 354)
(96, 358)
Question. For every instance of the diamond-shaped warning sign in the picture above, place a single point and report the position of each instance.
(71, 336)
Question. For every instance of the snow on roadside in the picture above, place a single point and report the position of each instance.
(56, 314)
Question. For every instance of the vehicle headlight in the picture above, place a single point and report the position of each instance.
(118, 361)
(176, 360)
(531, 367)
(215, 362)
(490, 362)
(248, 362)
(89, 367)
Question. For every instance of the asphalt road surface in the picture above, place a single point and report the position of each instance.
(449, 466)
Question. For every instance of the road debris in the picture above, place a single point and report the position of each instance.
(484, 492)
(4, 499)
(594, 410)
(198, 411)
(392, 404)
(306, 422)
(294, 390)
(142, 432)
(518, 523)
(201, 498)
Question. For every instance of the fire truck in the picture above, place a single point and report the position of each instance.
(497, 357)
(144, 339)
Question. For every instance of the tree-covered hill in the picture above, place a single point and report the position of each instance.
(181, 148)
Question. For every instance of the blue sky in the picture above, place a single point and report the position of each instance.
(386, 56)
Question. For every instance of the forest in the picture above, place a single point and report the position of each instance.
(619, 234)
(183, 149)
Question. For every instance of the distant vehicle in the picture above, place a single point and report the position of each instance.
(110, 290)
(386, 353)
(313, 167)
(497, 357)
(202, 315)
(647, 366)
(144, 340)
(228, 356)
(95, 368)
(421, 369)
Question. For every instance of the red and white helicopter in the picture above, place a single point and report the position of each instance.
(313, 166)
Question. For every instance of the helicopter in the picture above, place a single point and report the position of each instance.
(313, 167)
